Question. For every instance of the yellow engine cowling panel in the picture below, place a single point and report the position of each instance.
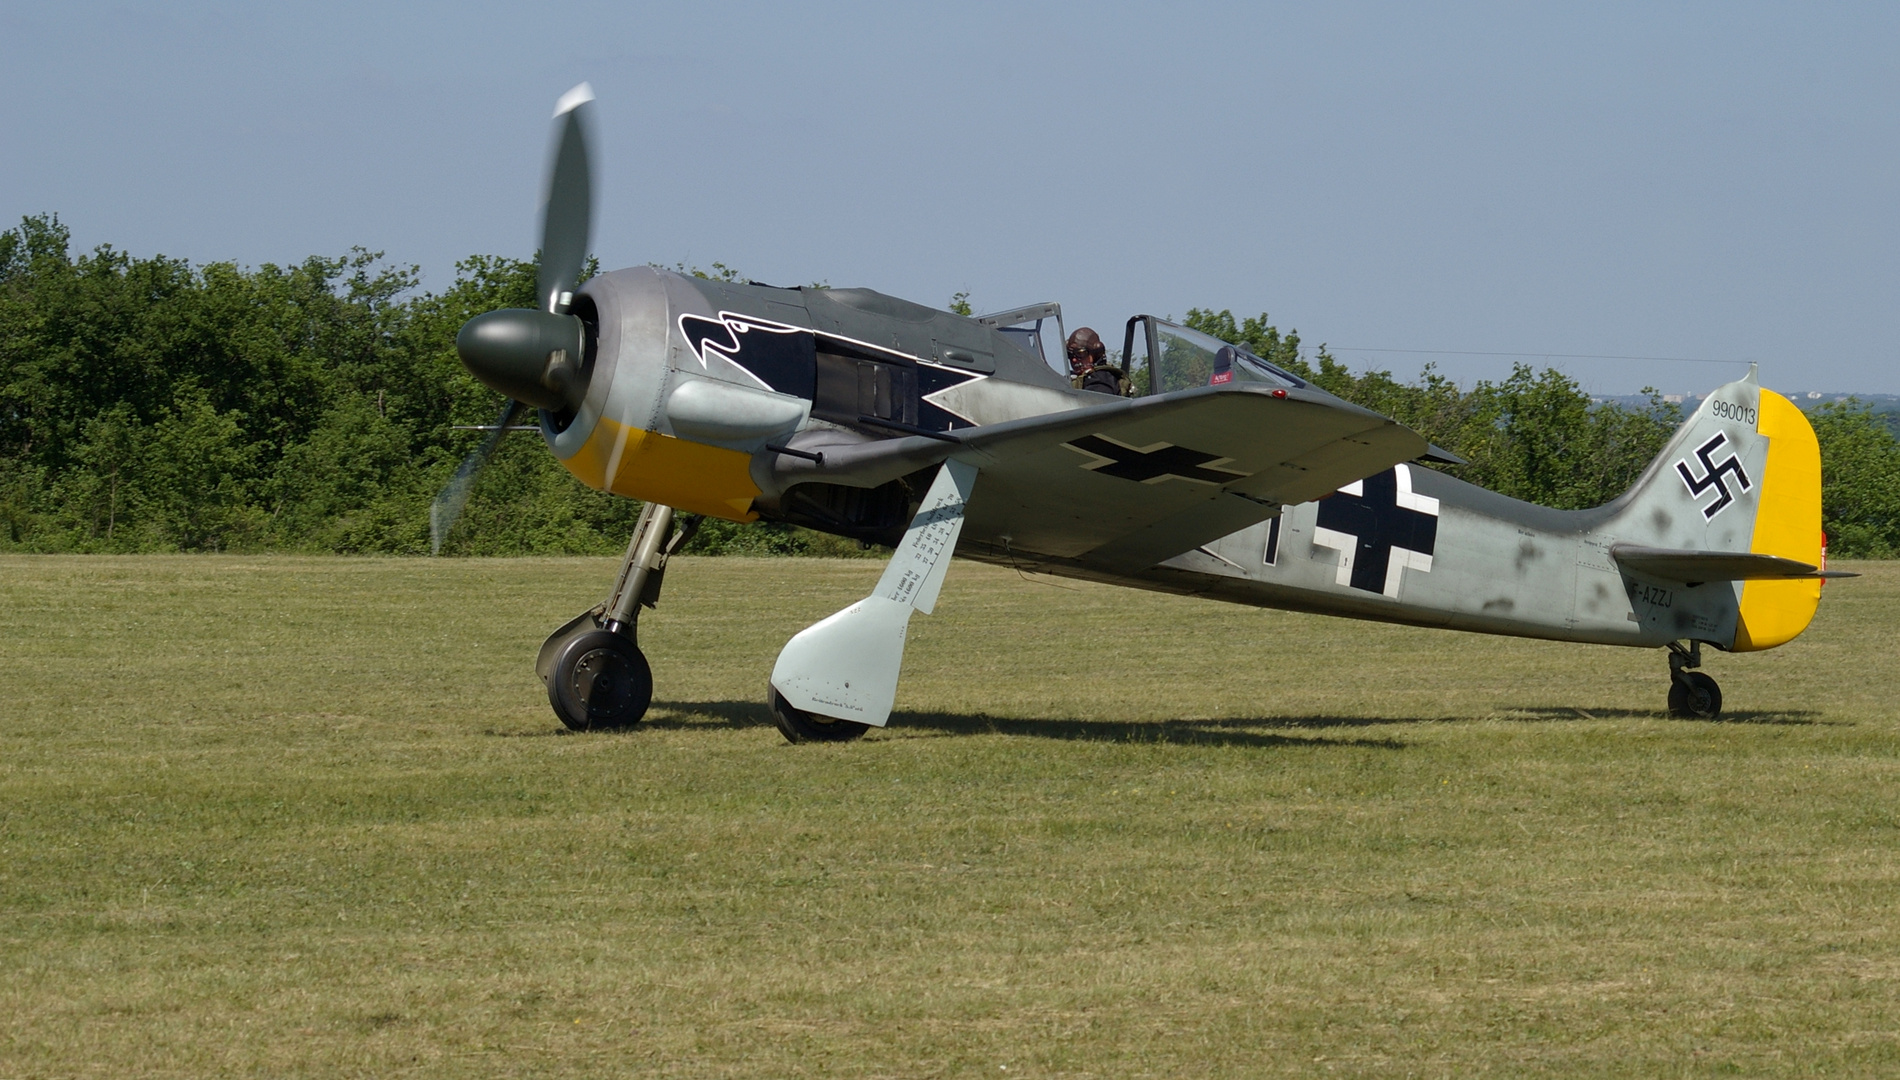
(1788, 524)
(647, 465)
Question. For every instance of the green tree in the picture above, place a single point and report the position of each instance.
(1538, 437)
(147, 404)
(1860, 481)
(1256, 335)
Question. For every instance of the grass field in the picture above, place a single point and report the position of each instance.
(313, 817)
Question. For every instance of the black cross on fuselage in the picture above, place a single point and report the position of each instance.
(1380, 524)
(1164, 462)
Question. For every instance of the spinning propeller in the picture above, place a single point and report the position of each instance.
(534, 355)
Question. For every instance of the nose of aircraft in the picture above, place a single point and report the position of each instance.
(532, 356)
(535, 356)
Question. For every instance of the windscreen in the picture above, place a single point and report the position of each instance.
(1029, 337)
(1188, 358)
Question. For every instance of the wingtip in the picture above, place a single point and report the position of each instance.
(573, 99)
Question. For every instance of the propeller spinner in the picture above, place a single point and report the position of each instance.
(534, 356)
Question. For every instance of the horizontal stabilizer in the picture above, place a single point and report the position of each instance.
(1695, 567)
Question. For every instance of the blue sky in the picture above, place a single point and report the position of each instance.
(1718, 182)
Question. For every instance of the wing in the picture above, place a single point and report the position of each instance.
(1696, 567)
(1132, 482)
(1125, 488)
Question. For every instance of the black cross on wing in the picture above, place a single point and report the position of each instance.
(1154, 463)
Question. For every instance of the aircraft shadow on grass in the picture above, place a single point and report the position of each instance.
(1219, 731)
(1574, 713)
(1233, 731)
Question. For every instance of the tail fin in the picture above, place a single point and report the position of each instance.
(1742, 474)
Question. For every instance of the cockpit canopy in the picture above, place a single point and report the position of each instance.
(1159, 356)
(1166, 356)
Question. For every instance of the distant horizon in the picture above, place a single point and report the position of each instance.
(1800, 398)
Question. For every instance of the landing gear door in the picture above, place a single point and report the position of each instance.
(1030, 328)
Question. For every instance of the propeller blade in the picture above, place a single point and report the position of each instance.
(454, 495)
(569, 211)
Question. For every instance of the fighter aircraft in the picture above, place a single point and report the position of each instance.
(871, 417)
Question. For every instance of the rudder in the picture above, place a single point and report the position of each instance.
(1787, 524)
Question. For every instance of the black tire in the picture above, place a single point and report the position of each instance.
(799, 726)
(601, 682)
(1694, 696)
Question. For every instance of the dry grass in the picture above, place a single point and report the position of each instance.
(312, 816)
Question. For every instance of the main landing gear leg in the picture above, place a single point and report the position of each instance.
(838, 677)
(596, 675)
(1693, 695)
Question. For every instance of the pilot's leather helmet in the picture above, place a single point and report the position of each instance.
(1085, 346)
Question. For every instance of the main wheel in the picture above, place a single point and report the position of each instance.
(1694, 696)
(601, 681)
(799, 726)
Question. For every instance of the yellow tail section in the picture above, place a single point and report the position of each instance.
(1788, 524)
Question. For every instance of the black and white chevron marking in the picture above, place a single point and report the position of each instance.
(781, 358)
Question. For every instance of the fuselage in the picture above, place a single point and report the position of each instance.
(1491, 564)
(700, 389)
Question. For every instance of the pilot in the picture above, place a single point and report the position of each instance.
(1089, 368)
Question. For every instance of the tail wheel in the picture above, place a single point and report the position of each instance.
(1694, 696)
(600, 682)
(799, 726)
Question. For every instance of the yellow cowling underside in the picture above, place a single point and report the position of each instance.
(1788, 524)
(689, 476)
